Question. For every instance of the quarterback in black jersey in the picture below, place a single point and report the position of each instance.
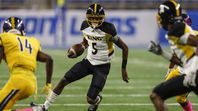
(183, 42)
(99, 38)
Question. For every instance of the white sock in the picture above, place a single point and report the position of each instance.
(50, 99)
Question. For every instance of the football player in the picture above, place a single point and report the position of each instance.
(183, 42)
(174, 70)
(99, 37)
(20, 54)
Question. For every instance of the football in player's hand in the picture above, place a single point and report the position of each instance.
(75, 51)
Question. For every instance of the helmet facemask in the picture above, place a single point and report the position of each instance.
(95, 20)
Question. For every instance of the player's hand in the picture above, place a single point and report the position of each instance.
(155, 48)
(125, 75)
(174, 59)
(47, 88)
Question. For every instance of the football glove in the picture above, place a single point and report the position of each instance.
(155, 48)
(47, 88)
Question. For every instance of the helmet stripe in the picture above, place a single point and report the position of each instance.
(95, 8)
(13, 22)
(176, 7)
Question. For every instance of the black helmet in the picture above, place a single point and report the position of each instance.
(95, 15)
(169, 12)
(14, 25)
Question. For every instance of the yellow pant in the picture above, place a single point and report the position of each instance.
(180, 98)
(21, 84)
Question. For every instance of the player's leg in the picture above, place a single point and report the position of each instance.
(78, 71)
(7, 98)
(16, 88)
(184, 102)
(98, 81)
(166, 90)
(181, 99)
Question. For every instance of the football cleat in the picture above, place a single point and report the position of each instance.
(94, 107)
(36, 107)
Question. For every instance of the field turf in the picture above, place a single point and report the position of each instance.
(145, 71)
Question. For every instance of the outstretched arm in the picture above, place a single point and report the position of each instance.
(42, 57)
(1, 53)
(124, 48)
(157, 50)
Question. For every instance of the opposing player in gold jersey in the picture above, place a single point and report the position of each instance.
(183, 42)
(175, 70)
(20, 54)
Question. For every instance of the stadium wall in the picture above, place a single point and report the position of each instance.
(61, 28)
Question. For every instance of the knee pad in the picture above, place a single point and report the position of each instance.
(181, 99)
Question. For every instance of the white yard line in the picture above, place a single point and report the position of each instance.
(110, 104)
(106, 88)
(105, 95)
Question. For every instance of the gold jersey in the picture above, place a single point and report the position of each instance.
(177, 38)
(20, 51)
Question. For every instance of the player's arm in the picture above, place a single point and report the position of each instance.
(84, 43)
(157, 50)
(43, 57)
(193, 41)
(124, 48)
(1, 51)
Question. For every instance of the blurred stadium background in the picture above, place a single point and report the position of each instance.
(56, 24)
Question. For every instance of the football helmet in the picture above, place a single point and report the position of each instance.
(14, 25)
(169, 12)
(95, 15)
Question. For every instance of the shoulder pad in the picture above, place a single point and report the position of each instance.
(109, 28)
(84, 25)
(177, 30)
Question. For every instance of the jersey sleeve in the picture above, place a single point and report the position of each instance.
(113, 33)
(84, 25)
(38, 44)
(0, 41)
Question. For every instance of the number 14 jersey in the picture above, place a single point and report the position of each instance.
(19, 51)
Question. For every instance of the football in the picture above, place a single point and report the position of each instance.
(75, 51)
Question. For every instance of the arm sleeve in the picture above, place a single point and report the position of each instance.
(84, 25)
(113, 33)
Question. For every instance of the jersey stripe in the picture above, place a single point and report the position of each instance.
(7, 99)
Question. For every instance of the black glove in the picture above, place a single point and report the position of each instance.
(155, 48)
